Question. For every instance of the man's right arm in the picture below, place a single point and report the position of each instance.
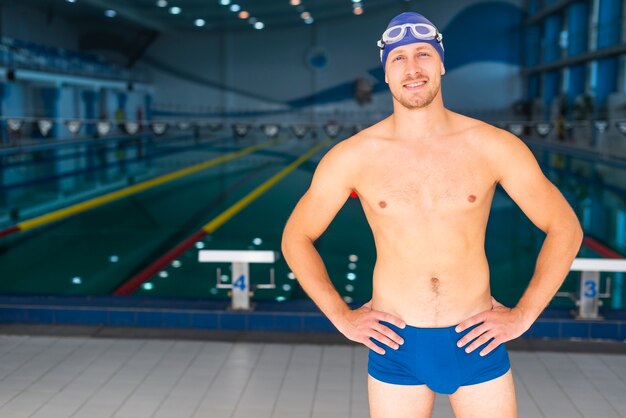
(333, 180)
(330, 187)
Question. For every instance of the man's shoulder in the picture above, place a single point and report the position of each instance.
(472, 126)
(486, 134)
(501, 148)
(361, 141)
(344, 154)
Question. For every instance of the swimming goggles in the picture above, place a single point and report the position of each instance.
(419, 30)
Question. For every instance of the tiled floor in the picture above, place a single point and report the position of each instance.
(49, 377)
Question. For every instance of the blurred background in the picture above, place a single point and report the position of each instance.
(134, 134)
(151, 152)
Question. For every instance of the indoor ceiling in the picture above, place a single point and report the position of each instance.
(161, 16)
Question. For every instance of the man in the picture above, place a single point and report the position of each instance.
(426, 177)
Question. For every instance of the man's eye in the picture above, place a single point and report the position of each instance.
(424, 54)
(398, 57)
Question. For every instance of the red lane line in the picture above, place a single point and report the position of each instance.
(600, 248)
(137, 280)
(126, 288)
(10, 230)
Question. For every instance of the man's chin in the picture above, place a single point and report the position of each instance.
(418, 100)
(414, 105)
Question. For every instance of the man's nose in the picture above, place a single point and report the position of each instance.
(413, 67)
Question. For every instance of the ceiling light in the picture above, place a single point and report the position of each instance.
(294, 2)
(305, 15)
(259, 25)
(358, 11)
(71, 1)
(224, 2)
(243, 14)
(110, 13)
(356, 5)
(199, 22)
(161, 3)
(175, 10)
(308, 20)
(356, 1)
(235, 8)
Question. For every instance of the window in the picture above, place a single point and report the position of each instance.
(593, 25)
(621, 75)
(620, 220)
(592, 77)
(564, 81)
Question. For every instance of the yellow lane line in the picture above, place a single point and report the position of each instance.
(139, 187)
(223, 217)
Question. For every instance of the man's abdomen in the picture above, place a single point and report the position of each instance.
(431, 295)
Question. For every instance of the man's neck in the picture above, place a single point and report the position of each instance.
(420, 125)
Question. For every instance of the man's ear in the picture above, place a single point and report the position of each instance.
(386, 81)
(443, 69)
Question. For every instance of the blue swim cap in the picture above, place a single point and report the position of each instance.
(393, 38)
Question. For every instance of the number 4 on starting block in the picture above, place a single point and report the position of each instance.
(240, 272)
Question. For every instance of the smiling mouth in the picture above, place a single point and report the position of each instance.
(415, 85)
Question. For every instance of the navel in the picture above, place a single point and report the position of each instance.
(382, 204)
(434, 282)
(471, 198)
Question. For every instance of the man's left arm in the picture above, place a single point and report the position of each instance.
(521, 177)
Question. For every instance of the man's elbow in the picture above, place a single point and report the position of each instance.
(571, 225)
(576, 227)
(566, 223)
(290, 237)
(580, 233)
(285, 241)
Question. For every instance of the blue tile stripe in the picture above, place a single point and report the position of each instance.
(168, 318)
(556, 328)
(578, 329)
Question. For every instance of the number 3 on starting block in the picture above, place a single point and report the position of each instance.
(591, 289)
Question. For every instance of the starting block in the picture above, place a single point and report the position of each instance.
(240, 272)
(588, 297)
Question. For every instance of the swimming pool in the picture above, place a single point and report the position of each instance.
(95, 252)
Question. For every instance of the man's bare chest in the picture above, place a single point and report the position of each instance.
(444, 183)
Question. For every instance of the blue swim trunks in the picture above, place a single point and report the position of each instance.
(430, 356)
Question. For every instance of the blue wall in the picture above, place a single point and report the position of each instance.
(482, 42)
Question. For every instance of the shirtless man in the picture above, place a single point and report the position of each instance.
(426, 177)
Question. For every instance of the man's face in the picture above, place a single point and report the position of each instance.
(413, 73)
